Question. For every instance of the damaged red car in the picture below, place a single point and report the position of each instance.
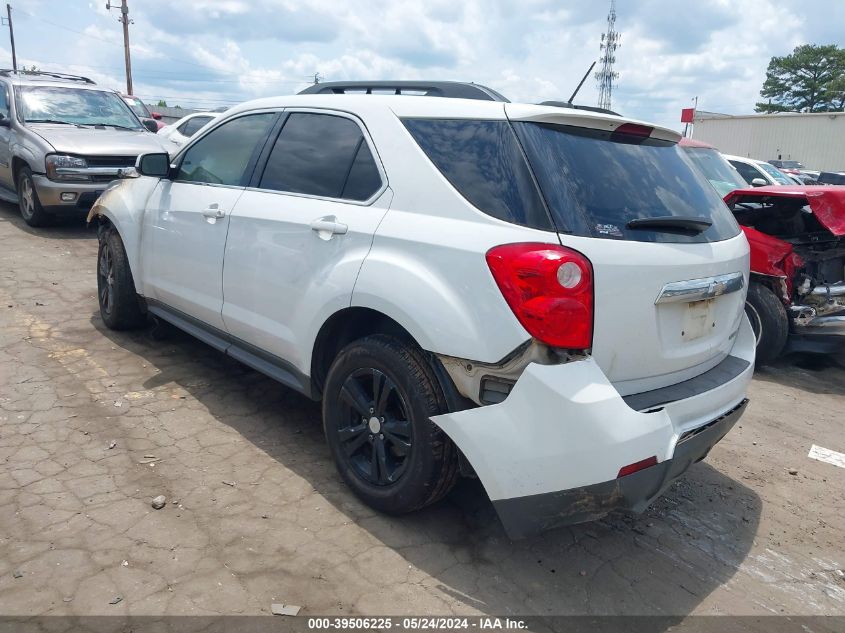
(796, 298)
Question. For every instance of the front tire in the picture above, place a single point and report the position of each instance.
(31, 210)
(768, 321)
(120, 307)
(378, 401)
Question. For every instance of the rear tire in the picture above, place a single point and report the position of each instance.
(768, 321)
(120, 307)
(31, 210)
(378, 401)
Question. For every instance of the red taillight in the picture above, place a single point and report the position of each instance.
(630, 469)
(550, 290)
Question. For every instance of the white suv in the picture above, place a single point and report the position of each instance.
(547, 298)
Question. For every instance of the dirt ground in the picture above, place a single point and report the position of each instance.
(256, 513)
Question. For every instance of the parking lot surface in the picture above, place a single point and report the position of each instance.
(94, 424)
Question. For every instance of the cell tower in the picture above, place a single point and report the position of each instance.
(609, 43)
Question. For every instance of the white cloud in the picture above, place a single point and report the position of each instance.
(215, 52)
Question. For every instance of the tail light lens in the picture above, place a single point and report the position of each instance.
(550, 290)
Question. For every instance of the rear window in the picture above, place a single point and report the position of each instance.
(584, 182)
(716, 169)
(596, 182)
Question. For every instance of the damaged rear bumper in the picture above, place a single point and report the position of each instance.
(551, 453)
(817, 334)
(525, 516)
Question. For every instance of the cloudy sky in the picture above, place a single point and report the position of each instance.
(211, 53)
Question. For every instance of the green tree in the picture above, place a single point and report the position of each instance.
(836, 93)
(804, 81)
(161, 103)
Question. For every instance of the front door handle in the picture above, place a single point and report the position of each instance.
(214, 212)
(328, 226)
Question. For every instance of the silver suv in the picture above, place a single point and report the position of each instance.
(63, 139)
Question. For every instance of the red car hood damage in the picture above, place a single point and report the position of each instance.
(826, 202)
(771, 256)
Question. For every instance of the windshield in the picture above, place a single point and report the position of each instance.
(791, 164)
(716, 169)
(596, 182)
(777, 175)
(138, 106)
(73, 106)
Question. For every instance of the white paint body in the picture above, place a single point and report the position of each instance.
(416, 253)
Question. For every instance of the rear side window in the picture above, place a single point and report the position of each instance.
(322, 155)
(483, 161)
(595, 182)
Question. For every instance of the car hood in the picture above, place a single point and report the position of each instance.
(826, 202)
(93, 142)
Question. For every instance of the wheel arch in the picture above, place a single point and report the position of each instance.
(355, 322)
(122, 207)
(18, 163)
(775, 283)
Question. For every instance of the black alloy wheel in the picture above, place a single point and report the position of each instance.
(374, 431)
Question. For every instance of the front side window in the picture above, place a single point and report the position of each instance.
(748, 172)
(322, 155)
(4, 101)
(226, 155)
(74, 106)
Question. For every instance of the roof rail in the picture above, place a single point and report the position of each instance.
(567, 104)
(7, 72)
(449, 89)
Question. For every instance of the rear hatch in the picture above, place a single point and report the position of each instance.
(670, 262)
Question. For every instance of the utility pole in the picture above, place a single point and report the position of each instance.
(125, 21)
(11, 36)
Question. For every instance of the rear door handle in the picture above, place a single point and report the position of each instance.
(214, 212)
(328, 226)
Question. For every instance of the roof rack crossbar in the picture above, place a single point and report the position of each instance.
(448, 89)
(7, 72)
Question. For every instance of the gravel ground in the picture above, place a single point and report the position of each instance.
(95, 424)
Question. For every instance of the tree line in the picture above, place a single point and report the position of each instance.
(810, 79)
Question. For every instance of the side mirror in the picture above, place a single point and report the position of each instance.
(156, 165)
(151, 125)
(156, 115)
(5, 121)
(758, 182)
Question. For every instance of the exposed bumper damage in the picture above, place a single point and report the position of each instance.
(551, 453)
(524, 516)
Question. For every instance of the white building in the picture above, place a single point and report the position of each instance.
(817, 140)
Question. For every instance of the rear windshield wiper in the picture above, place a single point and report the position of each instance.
(671, 222)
